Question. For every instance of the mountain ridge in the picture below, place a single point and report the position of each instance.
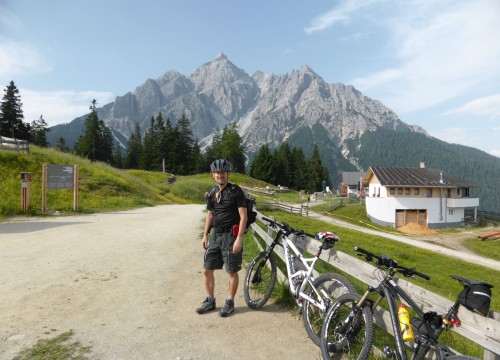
(267, 108)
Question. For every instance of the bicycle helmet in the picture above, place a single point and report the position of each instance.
(220, 165)
(328, 239)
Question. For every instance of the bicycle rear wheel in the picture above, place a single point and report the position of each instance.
(329, 287)
(259, 281)
(347, 331)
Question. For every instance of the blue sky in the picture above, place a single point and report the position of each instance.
(435, 63)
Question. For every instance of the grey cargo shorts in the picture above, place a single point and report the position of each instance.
(220, 252)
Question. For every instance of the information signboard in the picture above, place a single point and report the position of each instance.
(60, 176)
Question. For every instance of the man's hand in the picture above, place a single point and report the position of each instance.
(238, 244)
(204, 242)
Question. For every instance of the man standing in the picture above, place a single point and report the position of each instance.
(227, 214)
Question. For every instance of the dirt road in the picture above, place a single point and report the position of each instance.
(127, 283)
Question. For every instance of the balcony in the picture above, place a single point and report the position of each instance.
(462, 202)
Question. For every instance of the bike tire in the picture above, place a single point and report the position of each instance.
(347, 332)
(334, 285)
(259, 281)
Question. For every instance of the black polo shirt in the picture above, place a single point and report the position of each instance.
(224, 205)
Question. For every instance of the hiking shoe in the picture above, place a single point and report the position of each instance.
(227, 309)
(207, 305)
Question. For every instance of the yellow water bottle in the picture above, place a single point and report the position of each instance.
(404, 322)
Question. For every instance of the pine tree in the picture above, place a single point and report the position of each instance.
(11, 115)
(281, 165)
(134, 151)
(105, 143)
(61, 145)
(184, 145)
(261, 167)
(96, 143)
(197, 159)
(150, 155)
(232, 148)
(214, 151)
(117, 155)
(169, 144)
(316, 172)
(298, 170)
(38, 132)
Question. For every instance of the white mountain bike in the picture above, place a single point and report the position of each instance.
(314, 295)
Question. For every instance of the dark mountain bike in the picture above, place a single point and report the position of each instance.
(314, 295)
(348, 329)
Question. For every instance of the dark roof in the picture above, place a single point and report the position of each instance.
(416, 177)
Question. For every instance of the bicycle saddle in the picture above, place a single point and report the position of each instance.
(465, 281)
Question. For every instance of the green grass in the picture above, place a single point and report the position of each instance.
(103, 188)
(57, 348)
(356, 214)
(488, 248)
(438, 266)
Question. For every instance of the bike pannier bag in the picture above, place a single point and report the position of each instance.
(476, 298)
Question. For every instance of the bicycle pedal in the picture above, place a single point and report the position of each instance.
(388, 351)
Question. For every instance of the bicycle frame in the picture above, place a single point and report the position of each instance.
(388, 288)
(296, 288)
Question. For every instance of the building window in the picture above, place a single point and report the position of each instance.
(407, 191)
(450, 211)
(465, 192)
(400, 191)
(416, 192)
(392, 191)
(429, 192)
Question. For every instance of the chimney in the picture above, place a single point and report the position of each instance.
(423, 164)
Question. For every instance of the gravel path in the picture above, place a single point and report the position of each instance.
(127, 283)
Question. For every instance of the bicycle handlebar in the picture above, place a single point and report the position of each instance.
(286, 228)
(386, 261)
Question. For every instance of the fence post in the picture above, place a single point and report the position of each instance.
(489, 355)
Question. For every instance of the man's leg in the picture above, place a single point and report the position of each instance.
(209, 303)
(233, 285)
(209, 282)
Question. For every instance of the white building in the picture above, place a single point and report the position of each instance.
(398, 196)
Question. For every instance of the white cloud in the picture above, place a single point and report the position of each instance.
(18, 59)
(486, 106)
(357, 36)
(341, 13)
(476, 137)
(441, 50)
(58, 107)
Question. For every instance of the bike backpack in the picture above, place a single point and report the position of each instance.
(249, 202)
(476, 297)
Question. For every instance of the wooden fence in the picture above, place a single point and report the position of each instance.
(483, 331)
(489, 214)
(301, 210)
(13, 144)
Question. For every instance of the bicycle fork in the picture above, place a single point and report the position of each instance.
(257, 276)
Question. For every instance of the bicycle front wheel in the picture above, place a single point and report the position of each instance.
(347, 331)
(327, 288)
(259, 281)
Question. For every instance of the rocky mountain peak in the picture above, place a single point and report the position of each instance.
(268, 108)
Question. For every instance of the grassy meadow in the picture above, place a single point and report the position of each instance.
(104, 188)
